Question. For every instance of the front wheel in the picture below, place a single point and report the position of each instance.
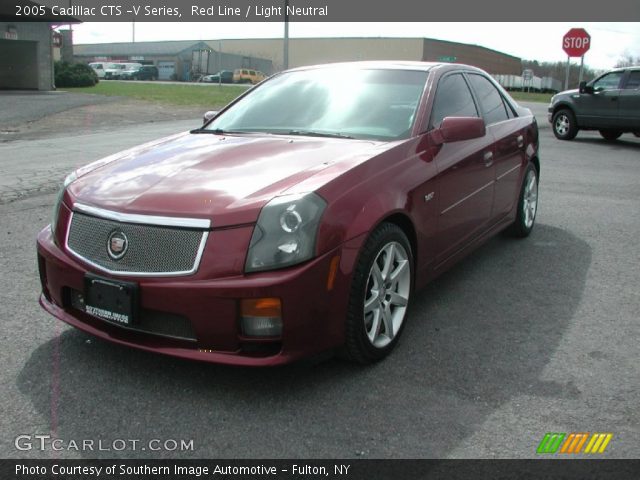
(610, 135)
(564, 124)
(527, 204)
(379, 296)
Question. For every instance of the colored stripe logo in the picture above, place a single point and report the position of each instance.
(551, 442)
(574, 443)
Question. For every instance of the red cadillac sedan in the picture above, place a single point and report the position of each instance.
(300, 219)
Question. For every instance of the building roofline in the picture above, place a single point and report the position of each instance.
(214, 40)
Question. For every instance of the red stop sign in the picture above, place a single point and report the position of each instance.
(576, 42)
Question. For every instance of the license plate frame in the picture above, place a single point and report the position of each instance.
(113, 301)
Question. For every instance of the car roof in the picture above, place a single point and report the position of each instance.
(623, 69)
(391, 65)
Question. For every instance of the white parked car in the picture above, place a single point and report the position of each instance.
(100, 68)
(112, 71)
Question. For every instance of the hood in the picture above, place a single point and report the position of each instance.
(223, 178)
(567, 92)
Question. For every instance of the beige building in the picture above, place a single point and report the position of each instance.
(266, 54)
(310, 51)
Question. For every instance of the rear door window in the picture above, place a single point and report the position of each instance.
(491, 101)
(633, 82)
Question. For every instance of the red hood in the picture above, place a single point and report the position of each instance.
(224, 178)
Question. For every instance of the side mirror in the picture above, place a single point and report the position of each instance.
(209, 115)
(584, 88)
(456, 129)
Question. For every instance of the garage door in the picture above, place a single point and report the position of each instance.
(18, 64)
(166, 69)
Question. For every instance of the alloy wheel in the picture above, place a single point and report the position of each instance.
(530, 199)
(387, 294)
(562, 125)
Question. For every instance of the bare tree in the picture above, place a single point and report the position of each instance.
(627, 60)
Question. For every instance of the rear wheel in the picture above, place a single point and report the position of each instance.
(564, 124)
(610, 135)
(527, 204)
(379, 295)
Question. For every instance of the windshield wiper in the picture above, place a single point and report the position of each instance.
(214, 131)
(311, 133)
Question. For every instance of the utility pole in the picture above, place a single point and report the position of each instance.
(286, 35)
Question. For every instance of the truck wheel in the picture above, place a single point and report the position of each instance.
(564, 124)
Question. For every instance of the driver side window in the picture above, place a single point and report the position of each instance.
(611, 81)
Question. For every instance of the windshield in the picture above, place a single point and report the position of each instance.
(355, 103)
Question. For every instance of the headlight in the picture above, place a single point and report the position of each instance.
(56, 206)
(286, 232)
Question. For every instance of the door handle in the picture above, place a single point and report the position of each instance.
(488, 159)
(520, 141)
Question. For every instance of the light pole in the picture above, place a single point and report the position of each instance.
(219, 63)
(286, 35)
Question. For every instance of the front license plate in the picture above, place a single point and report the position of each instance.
(111, 300)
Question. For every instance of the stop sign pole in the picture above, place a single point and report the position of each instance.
(576, 42)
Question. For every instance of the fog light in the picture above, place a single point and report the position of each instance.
(261, 317)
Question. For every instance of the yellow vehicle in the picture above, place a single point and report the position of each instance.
(246, 75)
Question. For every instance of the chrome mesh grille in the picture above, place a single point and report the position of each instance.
(151, 249)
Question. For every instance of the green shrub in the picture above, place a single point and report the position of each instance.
(74, 75)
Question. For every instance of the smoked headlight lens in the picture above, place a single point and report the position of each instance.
(56, 206)
(286, 232)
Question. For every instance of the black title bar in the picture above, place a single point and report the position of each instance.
(318, 469)
(320, 10)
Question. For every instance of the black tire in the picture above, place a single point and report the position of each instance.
(637, 134)
(522, 226)
(564, 124)
(610, 135)
(358, 346)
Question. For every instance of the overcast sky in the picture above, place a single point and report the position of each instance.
(530, 41)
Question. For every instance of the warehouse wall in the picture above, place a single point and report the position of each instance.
(311, 51)
(489, 60)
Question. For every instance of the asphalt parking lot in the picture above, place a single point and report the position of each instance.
(522, 338)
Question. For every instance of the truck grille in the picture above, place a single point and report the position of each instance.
(150, 250)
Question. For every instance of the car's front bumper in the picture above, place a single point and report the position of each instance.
(312, 313)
